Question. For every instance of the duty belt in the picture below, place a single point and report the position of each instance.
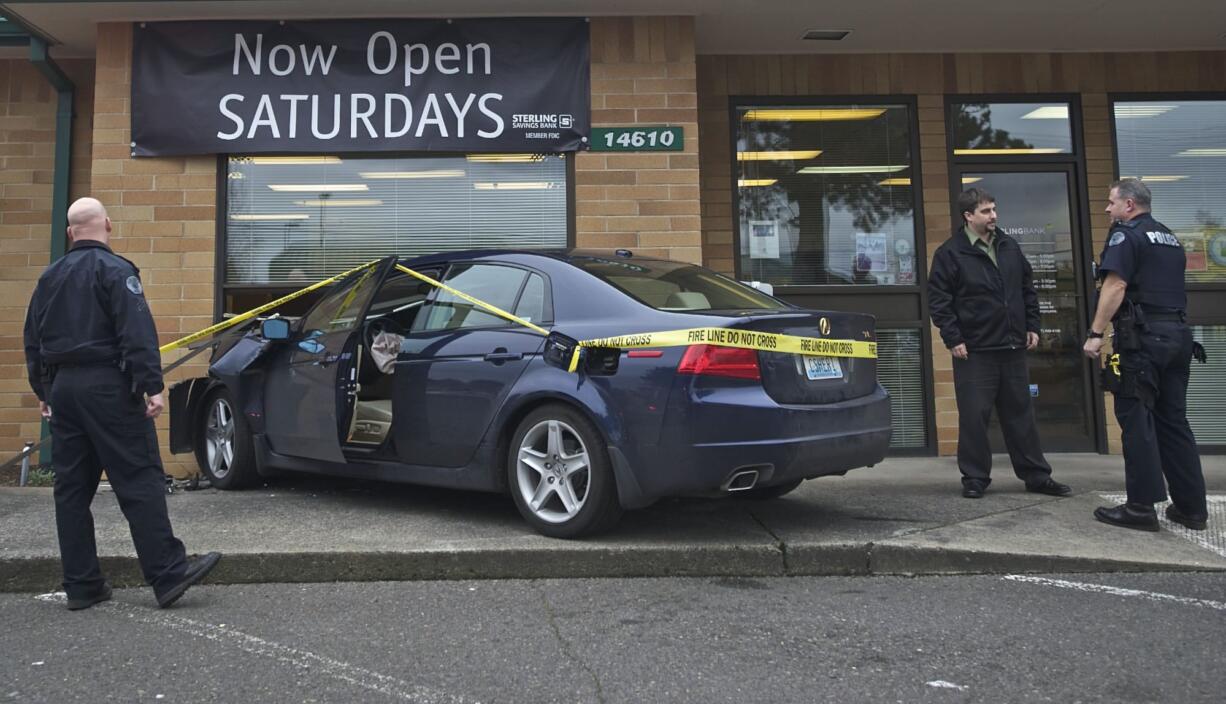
(1165, 317)
(110, 362)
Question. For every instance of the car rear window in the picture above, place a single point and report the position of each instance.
(675, 286)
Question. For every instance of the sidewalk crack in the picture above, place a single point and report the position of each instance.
(566, 648)
(781, 546)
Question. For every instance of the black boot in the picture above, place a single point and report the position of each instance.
(1135, 516)
(1174, 515)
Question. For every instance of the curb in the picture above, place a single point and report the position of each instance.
(860, 559)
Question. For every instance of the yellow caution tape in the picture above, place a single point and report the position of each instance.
(744, 339)
(720, 337)
(476, 302)
(226, 324)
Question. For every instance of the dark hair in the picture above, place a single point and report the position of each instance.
(972, 198)
(1133, 189)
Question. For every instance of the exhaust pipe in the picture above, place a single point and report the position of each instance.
(741, 480)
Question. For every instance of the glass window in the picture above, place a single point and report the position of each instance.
(673, 286)
(898, 352)
(293, 220)
(340, 309)
(825, 194)
(1007, 129)
(1178, 148)
(1205, 394)
(498, 286)
(531, 306)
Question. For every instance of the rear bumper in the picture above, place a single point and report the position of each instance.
(727, 430)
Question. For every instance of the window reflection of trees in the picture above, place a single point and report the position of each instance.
(819, 215)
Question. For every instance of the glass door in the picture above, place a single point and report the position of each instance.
(1036, 205)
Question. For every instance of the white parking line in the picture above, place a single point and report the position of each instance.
(1117, 591)
(301, 659)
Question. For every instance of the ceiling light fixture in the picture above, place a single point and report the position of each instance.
(339, 202)
(503, 158)
(318, 187)
(1020, 150)
(756, 182)
(513, 186)
(1163, 179)
(269, 216)
(437, 173)
(895, 182)
(266, 160)
(872, 169)
(1214, 151)
(781, 155)
(1048, 112)
(811, 114)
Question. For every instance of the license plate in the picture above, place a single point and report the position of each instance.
(823, 367)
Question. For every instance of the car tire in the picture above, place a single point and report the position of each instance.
(762, 493)
(224, 449)
(559, 474)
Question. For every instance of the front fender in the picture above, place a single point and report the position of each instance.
(184, 399)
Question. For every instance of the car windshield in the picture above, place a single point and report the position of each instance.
(667, 285)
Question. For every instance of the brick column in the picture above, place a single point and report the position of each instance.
(643, 73)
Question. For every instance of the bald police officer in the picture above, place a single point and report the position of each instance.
(93, 361)
(1142, 294)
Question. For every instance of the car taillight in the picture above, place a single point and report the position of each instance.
(709, 360)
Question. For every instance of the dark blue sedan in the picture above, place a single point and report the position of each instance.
(390, 378)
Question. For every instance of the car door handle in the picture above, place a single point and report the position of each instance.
(501, 355)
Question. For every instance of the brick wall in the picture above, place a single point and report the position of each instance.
(164, 213)
(28, 106)
(643, 73)
(930, 77)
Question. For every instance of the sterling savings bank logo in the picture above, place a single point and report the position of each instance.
(542, 126)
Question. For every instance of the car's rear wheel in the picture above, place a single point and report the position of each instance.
(559, 474)
(759, 493)
(223, 443)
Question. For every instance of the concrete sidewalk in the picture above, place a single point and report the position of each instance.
(905, 516)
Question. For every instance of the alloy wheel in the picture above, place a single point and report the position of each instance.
(553, 471)
(219, 438)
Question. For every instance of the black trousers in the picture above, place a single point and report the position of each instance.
(95, 424)
(1152, 408)
(1000, 380)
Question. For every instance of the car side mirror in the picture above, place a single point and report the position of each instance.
(275, 329)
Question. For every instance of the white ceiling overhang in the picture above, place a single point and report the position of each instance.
(732, 27)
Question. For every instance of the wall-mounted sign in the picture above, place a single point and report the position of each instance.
(637, 139)
(465, 85)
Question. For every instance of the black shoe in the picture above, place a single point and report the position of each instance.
(972, 491)
(1174, 515)
(197, 569)
(1135, 516)
(1051, 487)
(103, 594)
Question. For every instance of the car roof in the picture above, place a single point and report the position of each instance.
(561, 254)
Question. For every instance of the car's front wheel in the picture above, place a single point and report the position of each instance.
(559, 474)
(223, 443)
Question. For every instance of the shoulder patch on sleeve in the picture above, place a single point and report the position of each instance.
(1116, 238)
(133, 284)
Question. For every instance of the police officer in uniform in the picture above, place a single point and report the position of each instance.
(1142, 294)
(93, 361)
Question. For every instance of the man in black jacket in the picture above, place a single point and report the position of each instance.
(93, 361)
(981, 297)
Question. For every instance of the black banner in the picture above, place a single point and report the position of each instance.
(465, 85)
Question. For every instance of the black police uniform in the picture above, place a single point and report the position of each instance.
(1155, 362)
(91, 354)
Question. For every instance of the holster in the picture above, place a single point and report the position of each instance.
(46, 374)
(1128, 325)
(1110, 374)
